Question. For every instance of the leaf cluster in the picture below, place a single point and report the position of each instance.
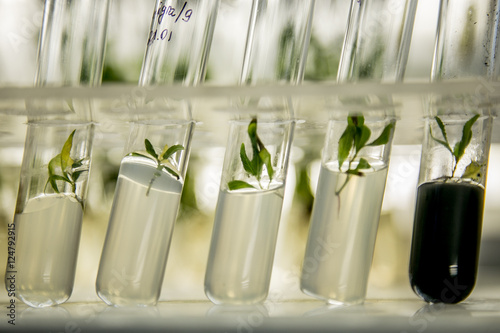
(161, 158)
(459, 148)
(63, 168)
(254, 166)
(354, 138)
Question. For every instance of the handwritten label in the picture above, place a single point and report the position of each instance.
(166, 13)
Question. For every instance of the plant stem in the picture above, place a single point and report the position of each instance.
(155, 175)
(454, 169)
(337, 193)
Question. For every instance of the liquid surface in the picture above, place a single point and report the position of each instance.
(342, 234)
(243, 244)
(138, 238)
(47, 238)
(446, 237)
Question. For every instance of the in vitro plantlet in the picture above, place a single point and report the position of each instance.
(352, 141)
(474, 168)
(63, 168)
(161, 160)
(254, 166)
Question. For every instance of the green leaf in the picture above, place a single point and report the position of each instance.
(260, 156)
(140, 155)
(66, 160)
(247, 165)
(473, 170)
(54, 163)
(52, 183)
(354, 172)
(346, 142)
(77, 164)
(441, 142)
(444, 143)
(150, 149)
(252, 133)
(457, 152)
(356, 121)
(460, 147)
(362, 135)
(170, 171)
(52, 180)
(252, 129)
(256, 160)
(257, 165)
(266, 159)
(75, 175)
(170, 151)
(441, 127)
(58, 177)
(384, 137)
(363, 164)
(164, 150)
(238, 184)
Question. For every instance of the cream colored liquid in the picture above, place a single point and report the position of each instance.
(342, 234)
(47, 236)
(243, 244)
(137, 242)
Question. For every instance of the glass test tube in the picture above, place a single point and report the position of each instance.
(452, 180)
(179, 42)
(356, 152)
(377, 41)
(152, 173)
(449, 207)
(71, 50)
(143, 214)
(57, 155)
(254, 173)
(346, 209)
(248, 213)
(48, 218)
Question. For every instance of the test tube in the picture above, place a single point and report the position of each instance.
(355, 156)
(452, 178)
(143, 214)
(253, 179)
(57, 155)
(248, 211)
(152, 173)
(179, 42)
(49, 210)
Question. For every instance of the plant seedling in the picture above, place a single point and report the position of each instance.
(459, 149)
(355, 138)
(254, 166)
(63, 168)
(160, 159)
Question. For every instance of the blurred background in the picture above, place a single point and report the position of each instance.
(129, 22)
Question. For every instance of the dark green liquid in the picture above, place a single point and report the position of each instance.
(446, 238)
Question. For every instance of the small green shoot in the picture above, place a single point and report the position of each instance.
(254, 166)
(458, 150)
(354, 138)
(161, 160)
(63, 168)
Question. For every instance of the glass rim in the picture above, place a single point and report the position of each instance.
(59, 123)
(162, 122)
(453, 180)
(458, 117)
(264, 121)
